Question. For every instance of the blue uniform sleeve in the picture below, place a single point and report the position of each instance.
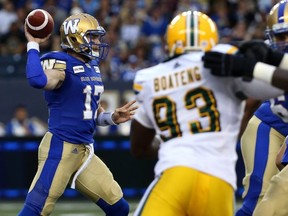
(34, 71)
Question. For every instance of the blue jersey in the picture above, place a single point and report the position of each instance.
(73, 106)
(274, 112)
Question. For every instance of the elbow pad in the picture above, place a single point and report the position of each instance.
(34, 71)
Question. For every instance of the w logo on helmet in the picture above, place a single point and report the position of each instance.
(70, 25)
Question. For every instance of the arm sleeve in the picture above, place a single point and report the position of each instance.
(257, 89)
(34, 71)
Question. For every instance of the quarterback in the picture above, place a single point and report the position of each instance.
(196, 117)
(72, 85)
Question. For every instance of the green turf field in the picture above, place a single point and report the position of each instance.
(62, 208)
(65, 208)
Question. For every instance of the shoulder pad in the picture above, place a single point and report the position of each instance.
(54, 60)
(55, 55)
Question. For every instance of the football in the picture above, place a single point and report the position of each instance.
(39, 23)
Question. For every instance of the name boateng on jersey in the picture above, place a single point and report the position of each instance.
(196, 113)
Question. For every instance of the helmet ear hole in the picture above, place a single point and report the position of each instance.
(74, 39)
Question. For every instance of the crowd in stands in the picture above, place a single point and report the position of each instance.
(135, 28)
(22, 124)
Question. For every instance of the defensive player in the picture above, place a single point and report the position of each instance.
(197, 115)
(268, 127)
(72, 86)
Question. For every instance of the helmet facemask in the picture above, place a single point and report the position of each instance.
(91, 49)
(277, 41)
(277, 26)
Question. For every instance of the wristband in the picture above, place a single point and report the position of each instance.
(33, 45)
(105, 119)
(263, 72)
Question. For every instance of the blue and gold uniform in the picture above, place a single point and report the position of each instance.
(77, 99)
(260, 143)
(66, 153)
(71, 126)
(267, 129)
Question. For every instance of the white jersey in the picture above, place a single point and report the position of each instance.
(197, 115)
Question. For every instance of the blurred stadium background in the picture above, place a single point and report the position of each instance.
(135, 31)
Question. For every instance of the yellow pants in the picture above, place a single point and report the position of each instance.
(188, 192)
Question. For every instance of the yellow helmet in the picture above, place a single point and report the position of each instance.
(191, 30)
(75, 32)
(277, 25)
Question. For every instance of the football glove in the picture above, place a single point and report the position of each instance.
(260, 51)
(226, 65)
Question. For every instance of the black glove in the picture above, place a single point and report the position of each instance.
(227, 65)
(260, 51)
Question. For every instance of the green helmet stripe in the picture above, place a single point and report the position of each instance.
(195, 29)
(191, 27)
(189, 33)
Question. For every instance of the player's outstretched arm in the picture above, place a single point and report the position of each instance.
(257, 61)
(260, 51)
(120, 115)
